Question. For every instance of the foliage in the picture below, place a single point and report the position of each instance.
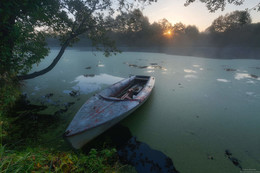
(46, 160)
(21, 44)
(220, 4)
(25, 24)
(223, 31)
(133, 21)
(230, 21)
(135, 30)
(9, 92)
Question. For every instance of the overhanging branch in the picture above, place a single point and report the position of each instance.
(50, 67)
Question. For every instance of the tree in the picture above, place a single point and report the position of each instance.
(132, 28)
(230, 21)
(21, 45)
(133, 21)
(165, 25)
(214, 5)
(192, 32)
(25, 23)
(179, 29)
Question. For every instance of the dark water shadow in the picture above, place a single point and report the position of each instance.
(26, 123)
(133, 152)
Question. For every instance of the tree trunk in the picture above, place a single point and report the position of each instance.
(50, 67)
(7, 39)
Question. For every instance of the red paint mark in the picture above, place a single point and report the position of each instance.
(99, 110)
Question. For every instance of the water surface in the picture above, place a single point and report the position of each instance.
(199, 107)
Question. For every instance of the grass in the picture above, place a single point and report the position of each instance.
(46, 160)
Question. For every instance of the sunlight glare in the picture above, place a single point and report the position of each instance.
(168, 33)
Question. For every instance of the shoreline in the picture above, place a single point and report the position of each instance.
(230, 52)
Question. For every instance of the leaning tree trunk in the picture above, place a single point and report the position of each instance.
(50, 67)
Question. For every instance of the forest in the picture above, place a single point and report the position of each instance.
(230, 36)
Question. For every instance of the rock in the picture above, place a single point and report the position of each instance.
(230, 69)
(88, 75)
(254, 76)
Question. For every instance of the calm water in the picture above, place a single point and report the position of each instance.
(199, 107)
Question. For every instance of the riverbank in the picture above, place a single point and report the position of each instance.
(32, 145)
(203, 52)
(229, 52)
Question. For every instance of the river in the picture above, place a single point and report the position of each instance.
(202, 112)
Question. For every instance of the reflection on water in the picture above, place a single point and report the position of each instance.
(240, 76)
(250, 82)
(145, 159)
(191, 76)
(189, 71)
(134, 152)
(101, 65)
(249, 93)
(223, 80)
(198, 66)
(150, 71)
(89, 84)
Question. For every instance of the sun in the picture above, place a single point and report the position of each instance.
(168, 33)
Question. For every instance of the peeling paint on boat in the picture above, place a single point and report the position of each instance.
(104, 110)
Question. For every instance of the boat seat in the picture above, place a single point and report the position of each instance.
(128, 94)
(131, 92)
(137, 89)
(141, 79)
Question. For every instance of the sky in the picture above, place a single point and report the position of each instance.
(194, 14)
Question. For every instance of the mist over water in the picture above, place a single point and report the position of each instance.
(199, 108)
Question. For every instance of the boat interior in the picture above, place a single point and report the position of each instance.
(127, 89)
(132, 89)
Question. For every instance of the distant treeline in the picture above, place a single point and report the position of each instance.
(229, 36)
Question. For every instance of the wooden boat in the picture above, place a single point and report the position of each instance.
(107, 108)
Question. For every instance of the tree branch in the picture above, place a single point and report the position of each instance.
(50, 67)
